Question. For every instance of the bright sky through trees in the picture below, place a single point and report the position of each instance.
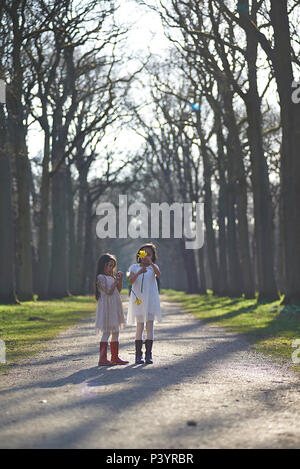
(145, 36)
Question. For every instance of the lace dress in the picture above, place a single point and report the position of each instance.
(109, 314)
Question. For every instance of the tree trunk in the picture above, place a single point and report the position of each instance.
(235, 275)
(260, 183)
(290, 161)
(17, 145)
(222, 209)
(281, 253)
(7, 294)
(81, 228)
(43, 245)
(202, 272)
(238, 179)
(58, 286)
(71, 234)
(208, 216)
(190, 268)
(88, 257)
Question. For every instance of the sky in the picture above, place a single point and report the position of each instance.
(147, 30)
(146, 33)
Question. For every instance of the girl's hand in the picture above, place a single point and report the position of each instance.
(155, 269)
(148, 260)
(119, 274)
(143, 270)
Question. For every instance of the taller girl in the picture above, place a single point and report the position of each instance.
(144, 304)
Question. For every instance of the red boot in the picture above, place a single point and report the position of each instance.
(114, 347)
(103, 354)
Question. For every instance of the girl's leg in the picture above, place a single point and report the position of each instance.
(114, 347)
(115, 337)
(105, 336)
(139, 343)
(103, 349)
(149, 341)
(150, 330)
(139, 330)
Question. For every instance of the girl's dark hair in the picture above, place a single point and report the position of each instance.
(102, 262)
(152, 247)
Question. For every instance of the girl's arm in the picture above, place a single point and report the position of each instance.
(156, 269)
(102, 286)
(120, 281)
(133, 276)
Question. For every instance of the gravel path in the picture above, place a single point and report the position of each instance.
(206, 389)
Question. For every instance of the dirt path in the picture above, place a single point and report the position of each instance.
(206, 389)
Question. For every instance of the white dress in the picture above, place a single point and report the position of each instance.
(149, 309)
(109, 314)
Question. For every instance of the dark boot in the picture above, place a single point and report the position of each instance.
(148, 353)
(138, 352)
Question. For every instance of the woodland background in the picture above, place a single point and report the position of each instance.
(218, 119)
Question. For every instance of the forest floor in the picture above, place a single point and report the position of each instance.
(207, 388)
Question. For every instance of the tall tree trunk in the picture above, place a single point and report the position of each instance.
(58, 286)
(208, 215)
(59, 273)
(202, 272)
(281, 56)
(7, 294)
(235, 287)
(24, 248)
(88, 257)
(260, 183)
(281, 252)
(81, 228)
(43, 244)
(190, 268)
(71, 233)
(35, 229)
(290, 161)
(222, 209)
(238, 179)
(17, 144)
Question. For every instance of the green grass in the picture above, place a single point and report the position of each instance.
(269, 326)
(24, 337)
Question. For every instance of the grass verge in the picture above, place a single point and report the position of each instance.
(25, 328)
(270, 327)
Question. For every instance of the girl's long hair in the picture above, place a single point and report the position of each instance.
(152, 247)
(102, 262)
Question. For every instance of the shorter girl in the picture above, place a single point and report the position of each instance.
(109, 316)
(144, 304)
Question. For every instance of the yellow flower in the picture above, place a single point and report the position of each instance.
(142, 254)
(138, 301)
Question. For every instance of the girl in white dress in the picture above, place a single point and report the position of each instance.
(109, 315)
(144, 304)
